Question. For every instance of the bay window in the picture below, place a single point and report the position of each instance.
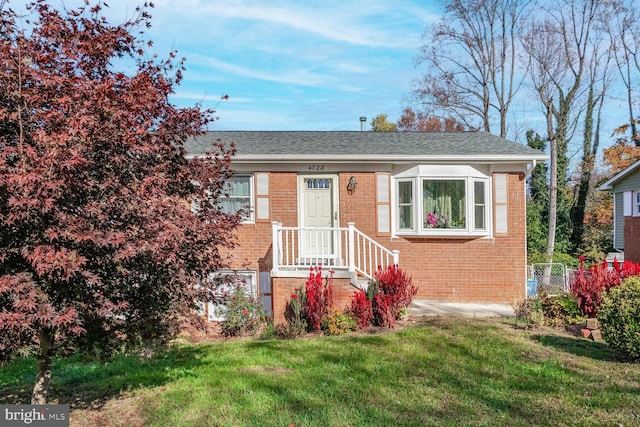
(452, 201)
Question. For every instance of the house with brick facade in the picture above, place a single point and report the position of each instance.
(448, 208)
(625, 187)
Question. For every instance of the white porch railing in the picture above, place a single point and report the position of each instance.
(340, 248)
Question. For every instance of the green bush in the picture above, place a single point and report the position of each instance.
(529, 313)
(559, 310)
(619, 318)
(269, 332)
(243, 313)
(294, 315)
(337, 323)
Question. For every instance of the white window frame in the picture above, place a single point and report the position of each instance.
(636, 203)
(250, 218)
(485, 205)
(464, 173)
(412, 225)
(214, 310)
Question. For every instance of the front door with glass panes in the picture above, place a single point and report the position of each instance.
(318, 240)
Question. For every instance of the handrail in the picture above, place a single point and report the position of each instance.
(339, 248)
(378, 257)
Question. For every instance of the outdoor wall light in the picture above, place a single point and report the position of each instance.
(351, 185)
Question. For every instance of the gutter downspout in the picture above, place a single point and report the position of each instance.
(530, 169)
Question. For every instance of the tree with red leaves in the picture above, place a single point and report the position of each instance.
(98, 240)
(410, 121)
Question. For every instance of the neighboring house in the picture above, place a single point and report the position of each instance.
(625, 187)
(448, 208)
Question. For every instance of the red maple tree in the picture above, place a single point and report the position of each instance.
(98, 240)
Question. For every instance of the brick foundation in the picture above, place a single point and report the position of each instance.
(283, 287)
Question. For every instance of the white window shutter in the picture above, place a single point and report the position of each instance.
(262, 196)
(383, 187)
(500, 180)
(501, 219)
(262, 182)
(383, 203)
(262, 208)
(501, 206)
(627, 203)
(384, 218)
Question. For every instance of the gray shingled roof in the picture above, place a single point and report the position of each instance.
(354, 146)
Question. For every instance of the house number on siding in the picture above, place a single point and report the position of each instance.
(316, 167)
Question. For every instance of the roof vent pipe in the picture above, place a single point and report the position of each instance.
(363, 122)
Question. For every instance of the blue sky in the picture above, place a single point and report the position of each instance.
(294, 65)
(297, 65)
(286, 64)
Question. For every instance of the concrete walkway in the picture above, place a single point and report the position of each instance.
(435, 308)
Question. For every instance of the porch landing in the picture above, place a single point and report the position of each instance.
(436, 308)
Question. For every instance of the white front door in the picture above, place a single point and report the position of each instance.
(318, 210)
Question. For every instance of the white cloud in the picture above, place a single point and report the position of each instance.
(346, 21)
(313, 64)
(294, 76)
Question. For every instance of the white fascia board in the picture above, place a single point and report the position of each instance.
(364, 158)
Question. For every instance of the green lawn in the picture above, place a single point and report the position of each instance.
(441, 372)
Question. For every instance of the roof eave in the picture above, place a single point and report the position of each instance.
(608, 185)
(336, 158)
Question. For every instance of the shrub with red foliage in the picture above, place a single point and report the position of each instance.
(397, 286)
(390, 292)
(319, 297)
(361, 308)
(587, 285)
(384, 313)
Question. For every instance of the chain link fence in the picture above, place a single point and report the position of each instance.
(553, 278)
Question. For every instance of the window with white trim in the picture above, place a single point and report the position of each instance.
(239, 195)
(442, 205)
(636, 205)
(405, 205)
(216, 310)
(479, 205)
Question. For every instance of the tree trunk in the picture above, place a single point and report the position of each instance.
(553, 195)
(586, 167)
(45, 357)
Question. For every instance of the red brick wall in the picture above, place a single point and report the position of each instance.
(445, 269)
(448, 269)
(632, 238)
(253, 251)
(283, 287)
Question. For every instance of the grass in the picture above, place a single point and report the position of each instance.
(440, 372)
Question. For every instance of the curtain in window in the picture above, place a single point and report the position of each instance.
(239, 195)
(444, 203)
